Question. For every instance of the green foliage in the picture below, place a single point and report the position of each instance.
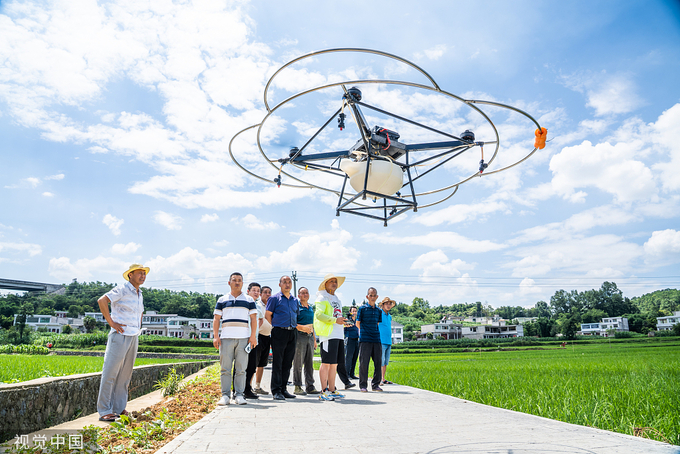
(676, 329)
(171, 384)
(89, 323)
(67, 329)
(18, 368)
(616, 387)
(24, 349)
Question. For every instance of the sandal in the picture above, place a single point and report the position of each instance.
(108, 418)
(124, 412)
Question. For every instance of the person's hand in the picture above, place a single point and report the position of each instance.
(117, 326)
(253, 342)
(216, 343)
(340, 320)
(309, 329)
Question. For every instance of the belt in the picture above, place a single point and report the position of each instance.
(289, 328)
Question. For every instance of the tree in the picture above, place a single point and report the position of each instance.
(67, 329)
(676, 329)
(73, 311)
(420, 303)
(21, 322)
(89, 323)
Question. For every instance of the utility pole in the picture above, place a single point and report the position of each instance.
(293, 276)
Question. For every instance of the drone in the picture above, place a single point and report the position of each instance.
(377, 176)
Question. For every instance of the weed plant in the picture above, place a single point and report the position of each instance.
(619, 387)
(171, 384)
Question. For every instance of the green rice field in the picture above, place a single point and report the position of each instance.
(18, 368)
(627, 388)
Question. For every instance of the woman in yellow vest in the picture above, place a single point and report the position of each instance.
(329, 326)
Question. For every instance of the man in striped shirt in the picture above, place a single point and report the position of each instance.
(232, 335)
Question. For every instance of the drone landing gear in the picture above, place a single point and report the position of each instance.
(387, 210)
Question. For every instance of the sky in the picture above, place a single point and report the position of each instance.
(116, 119)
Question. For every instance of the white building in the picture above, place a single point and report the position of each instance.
(590, 329)
(153, 323)
(52, 323)
(495, 330)
(666, 323)
(606, 324)
(397, 332)
(442, 330)
(186, 328)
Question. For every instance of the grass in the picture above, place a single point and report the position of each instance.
(18, 368)
(630, 388)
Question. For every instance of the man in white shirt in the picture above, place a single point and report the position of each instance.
(236, 314)
(125, 320)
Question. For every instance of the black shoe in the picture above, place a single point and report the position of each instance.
(313, 391)
(353, 377)
(288, 395)
(279, 396)
(250, 395)
(349, 385)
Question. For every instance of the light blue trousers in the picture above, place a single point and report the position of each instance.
(119, 359)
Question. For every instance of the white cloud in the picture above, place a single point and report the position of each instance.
(579, 255)
(84, 269)
(609, 168)
(124, 249)
(47, 194)
(210, 217)
(318, 251)
(663, 247)
(436, 52)
(608, 94)
(666, 134)
(57, 177)
(450, 240)
(221, 243)
(189, 266)
(254, 223)
(376, 264)
(459, 213)
(167, 220)
(436, 265)
(29, 248)
(113, 223)
(34, 182)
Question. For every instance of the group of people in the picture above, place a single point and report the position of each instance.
(246, 326)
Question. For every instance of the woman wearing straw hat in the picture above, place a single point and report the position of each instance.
(329, 326)
(125, 319)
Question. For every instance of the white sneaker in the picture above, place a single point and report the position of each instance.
(240, 400)
(223, 401)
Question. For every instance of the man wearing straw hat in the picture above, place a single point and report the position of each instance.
(125, 320)
(385, 328)
(329, 326)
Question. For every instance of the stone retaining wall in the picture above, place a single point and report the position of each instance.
(139, 355)
(45, 402)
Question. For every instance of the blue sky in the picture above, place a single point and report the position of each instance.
(116, 117)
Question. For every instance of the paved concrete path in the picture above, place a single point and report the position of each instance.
(400, 420)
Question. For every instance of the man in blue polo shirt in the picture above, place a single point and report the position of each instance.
(370, 347)
(282, 313)
(304, 349)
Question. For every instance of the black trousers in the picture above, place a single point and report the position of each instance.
(250, 370)
(342, 371)
(368, 351)
(352, 354)
(283, 353)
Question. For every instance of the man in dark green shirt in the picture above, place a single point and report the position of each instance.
(306, 344)
(368, 318)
